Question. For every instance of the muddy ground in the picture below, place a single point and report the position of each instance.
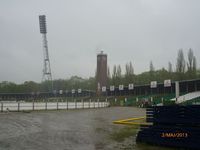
(84, 129)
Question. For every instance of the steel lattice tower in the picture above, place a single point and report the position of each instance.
(47, 76)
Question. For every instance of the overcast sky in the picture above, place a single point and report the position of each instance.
(127, 30)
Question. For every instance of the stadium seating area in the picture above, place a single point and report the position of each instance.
(159, 99)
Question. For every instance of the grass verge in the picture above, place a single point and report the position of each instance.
(124, 133)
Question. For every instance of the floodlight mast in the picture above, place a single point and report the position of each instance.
(47, 76)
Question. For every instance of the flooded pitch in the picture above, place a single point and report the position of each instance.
(88, 129)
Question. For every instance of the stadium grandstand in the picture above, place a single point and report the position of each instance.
(140, 94)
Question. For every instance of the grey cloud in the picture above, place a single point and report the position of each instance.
(127, 30)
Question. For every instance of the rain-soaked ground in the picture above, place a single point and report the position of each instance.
(83, 129)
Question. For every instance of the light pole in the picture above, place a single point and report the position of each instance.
(47, 76)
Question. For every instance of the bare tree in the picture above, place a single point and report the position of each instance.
(119, 71)
(190, 60)
(180, 64)
(127, 70)
(151, 67)
(119, 75)
(129, 73)
(108, 75)
(114, 75)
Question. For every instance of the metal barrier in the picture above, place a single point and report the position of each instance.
(131, 121)
(31, 106)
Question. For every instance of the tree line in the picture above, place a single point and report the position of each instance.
(184, 69)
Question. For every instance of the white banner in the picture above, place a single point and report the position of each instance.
(112, 88)
(131, 86)
(79, 90)
(73, 91)
(121, 87)
(60, 91)
(167, 83)
(103, 88)
(153, 84)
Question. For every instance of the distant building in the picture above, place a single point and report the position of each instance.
(101, 74)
